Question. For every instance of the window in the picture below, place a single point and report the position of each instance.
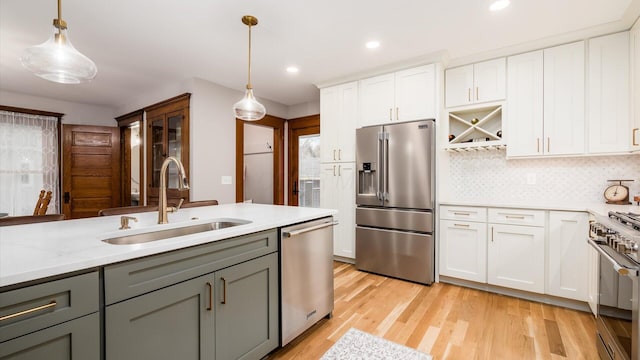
(29, 161)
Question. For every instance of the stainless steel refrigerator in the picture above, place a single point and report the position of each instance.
(395, 200)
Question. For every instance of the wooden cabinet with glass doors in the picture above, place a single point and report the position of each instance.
(167, 135)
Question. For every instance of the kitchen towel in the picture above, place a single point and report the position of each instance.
(356, 344)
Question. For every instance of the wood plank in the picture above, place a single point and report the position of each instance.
(446, 321)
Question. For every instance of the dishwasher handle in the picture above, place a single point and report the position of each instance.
(308, 229)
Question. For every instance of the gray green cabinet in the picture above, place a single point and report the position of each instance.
(216, 301)
(57, 319)
(246, 309)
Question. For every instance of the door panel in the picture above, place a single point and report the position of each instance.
(368, 152)
(91, 170)
(408, 178)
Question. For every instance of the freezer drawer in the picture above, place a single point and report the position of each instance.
(400, 254)
(306, 276)
(395, 219)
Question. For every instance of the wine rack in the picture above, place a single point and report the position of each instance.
(476, 127)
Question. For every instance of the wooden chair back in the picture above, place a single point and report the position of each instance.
(29, 219)
(127, 210)
(43, 203)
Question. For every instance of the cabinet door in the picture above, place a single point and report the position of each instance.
(516, 257)
(246, 307)
(489, 78)
(567, 255)
(344, 234)
(564, 99)
(329, 122)
(346, 126)
(75, 339)
(377, 100)
(608, 94)
(524, 123)
(463, 250)
(459, 86)
(635, 69)
(415, 94)
(176, 322)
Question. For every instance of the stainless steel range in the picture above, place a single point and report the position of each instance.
(617, 240)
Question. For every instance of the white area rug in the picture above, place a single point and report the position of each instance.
(358, 345)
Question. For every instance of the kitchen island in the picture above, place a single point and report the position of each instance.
(211, 294)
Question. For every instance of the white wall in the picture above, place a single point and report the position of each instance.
(74, 113)
(213, 139)
(304, 109)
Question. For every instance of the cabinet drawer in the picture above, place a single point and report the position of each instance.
(43, 305)
(465, 213)
(516, 217)
(136, 277)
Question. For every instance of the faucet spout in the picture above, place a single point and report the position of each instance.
(183, 184)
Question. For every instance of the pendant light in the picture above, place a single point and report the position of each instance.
(249, 109)
(56, 59)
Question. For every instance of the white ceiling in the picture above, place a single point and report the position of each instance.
(144, 44)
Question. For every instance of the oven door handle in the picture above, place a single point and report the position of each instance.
(620, 269)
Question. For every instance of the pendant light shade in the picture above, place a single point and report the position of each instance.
(249, 109)
(57, 60)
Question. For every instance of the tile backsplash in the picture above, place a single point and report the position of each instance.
(487, 176)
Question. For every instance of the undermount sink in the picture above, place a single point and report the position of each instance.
(215, 224)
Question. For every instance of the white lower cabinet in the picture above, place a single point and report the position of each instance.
(337, 191)
(568, 255)
(515, 257)
(463, 250)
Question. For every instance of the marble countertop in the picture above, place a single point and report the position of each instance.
(594, 208)
(35, 251)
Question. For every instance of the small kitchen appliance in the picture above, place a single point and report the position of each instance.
(616, 238)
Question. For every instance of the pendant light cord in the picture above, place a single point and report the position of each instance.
(249, 76)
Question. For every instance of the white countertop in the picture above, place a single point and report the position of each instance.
(595, 208)
(35, 251)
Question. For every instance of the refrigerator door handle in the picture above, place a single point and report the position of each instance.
(385, 171)
(381, 171)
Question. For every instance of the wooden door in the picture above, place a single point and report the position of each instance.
(309, 125)
(91, 170)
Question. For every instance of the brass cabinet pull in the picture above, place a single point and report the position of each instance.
(477, 93)
(397, 113)
(514, 217)
(334, 170)
(469, 94)
(210, 286)
(224, 291)
(334, 154)
(339, 154)
(339, 170)
(492, 234)
(634, 137)
(462, 213)
(390, 114)
(538, 142)
(461, 225)
(548, 144)
(51, 304)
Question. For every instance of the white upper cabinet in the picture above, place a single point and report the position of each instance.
(545, 102)
(476, 83)
(635, 69)
(564, 89)
(524, 121)
(401, 96)
(609, 121)
(338, 116)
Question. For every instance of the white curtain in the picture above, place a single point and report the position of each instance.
(29, 162)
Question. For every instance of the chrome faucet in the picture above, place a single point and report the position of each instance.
(183, 184)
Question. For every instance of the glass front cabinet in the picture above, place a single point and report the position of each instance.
(167, 135)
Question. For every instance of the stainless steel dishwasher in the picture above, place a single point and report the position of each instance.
(306, 276)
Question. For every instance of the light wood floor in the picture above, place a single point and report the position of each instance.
(446, 321)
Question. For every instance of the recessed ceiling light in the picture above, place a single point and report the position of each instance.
(499, 5)
(292, 69)
(372, 44)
